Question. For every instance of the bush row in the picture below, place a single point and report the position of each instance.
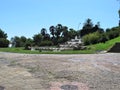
(97, 37)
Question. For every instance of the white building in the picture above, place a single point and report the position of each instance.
(72, 43)
(75, 41)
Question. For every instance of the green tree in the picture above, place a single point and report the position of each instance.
(16, 41)
(87, 27)
(4, 42)
(46, 43)
(28, 44)
(92, 38)
(43, 31)
(52, 31)
(23, 40)
(113, 32)
(97, 28)
(58, 31)
(72, 33)
(47, 37)
(37, 38)
(3, 39)
(90, 28)
(65, 33)
(3, 34)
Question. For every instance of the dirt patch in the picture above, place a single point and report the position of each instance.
(2, 88)
(68, 86)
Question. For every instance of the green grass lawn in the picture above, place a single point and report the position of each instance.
(21, 50)
(93, 49)
(104, 46)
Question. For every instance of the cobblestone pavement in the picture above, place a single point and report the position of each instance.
(59, 72)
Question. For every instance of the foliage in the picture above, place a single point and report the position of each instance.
(113, 33)
(3, 39)
(4, 42)
(100, 36)
(103, 38)
(90, 28)
(92, 49)
(91, 38)
(104, 46)
(52, 31)
(28, 44)
(21, 41)
(43, 31)
(3, 34)
(37, 38)
(60, 34)
(46, 43)
(15, 41)
(72, 33)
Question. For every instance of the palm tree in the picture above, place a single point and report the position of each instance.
(58, 30)
(43, 31)
(52, 30)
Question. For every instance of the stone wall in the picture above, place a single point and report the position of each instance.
(115, 48)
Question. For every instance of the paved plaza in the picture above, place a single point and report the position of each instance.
(59, 72)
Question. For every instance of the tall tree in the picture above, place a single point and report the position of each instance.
(3, 39)
(58, 30)
(52, 31)
(87, 27)
(97, 28)
(65, 33)
(88, 24)
(23, 40)
(47, 37)
(16, 42)
(37, 38)
(3, 34)
(43, 31)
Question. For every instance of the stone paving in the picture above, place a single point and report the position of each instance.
(59, 72)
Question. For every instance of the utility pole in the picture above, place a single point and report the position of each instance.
(79, 29)
(119, 12)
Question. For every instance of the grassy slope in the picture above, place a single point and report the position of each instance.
(93, 49)
(105, 46)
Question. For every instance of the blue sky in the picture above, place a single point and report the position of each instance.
(27, 17)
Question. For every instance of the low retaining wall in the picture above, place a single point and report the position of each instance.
(50, 48)
(115, 48)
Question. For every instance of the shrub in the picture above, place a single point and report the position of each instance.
(113, 33)
(86, 40)
(91, 38)
(103, 38)
(46, 43)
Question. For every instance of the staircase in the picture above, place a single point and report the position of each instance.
(115, 48)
